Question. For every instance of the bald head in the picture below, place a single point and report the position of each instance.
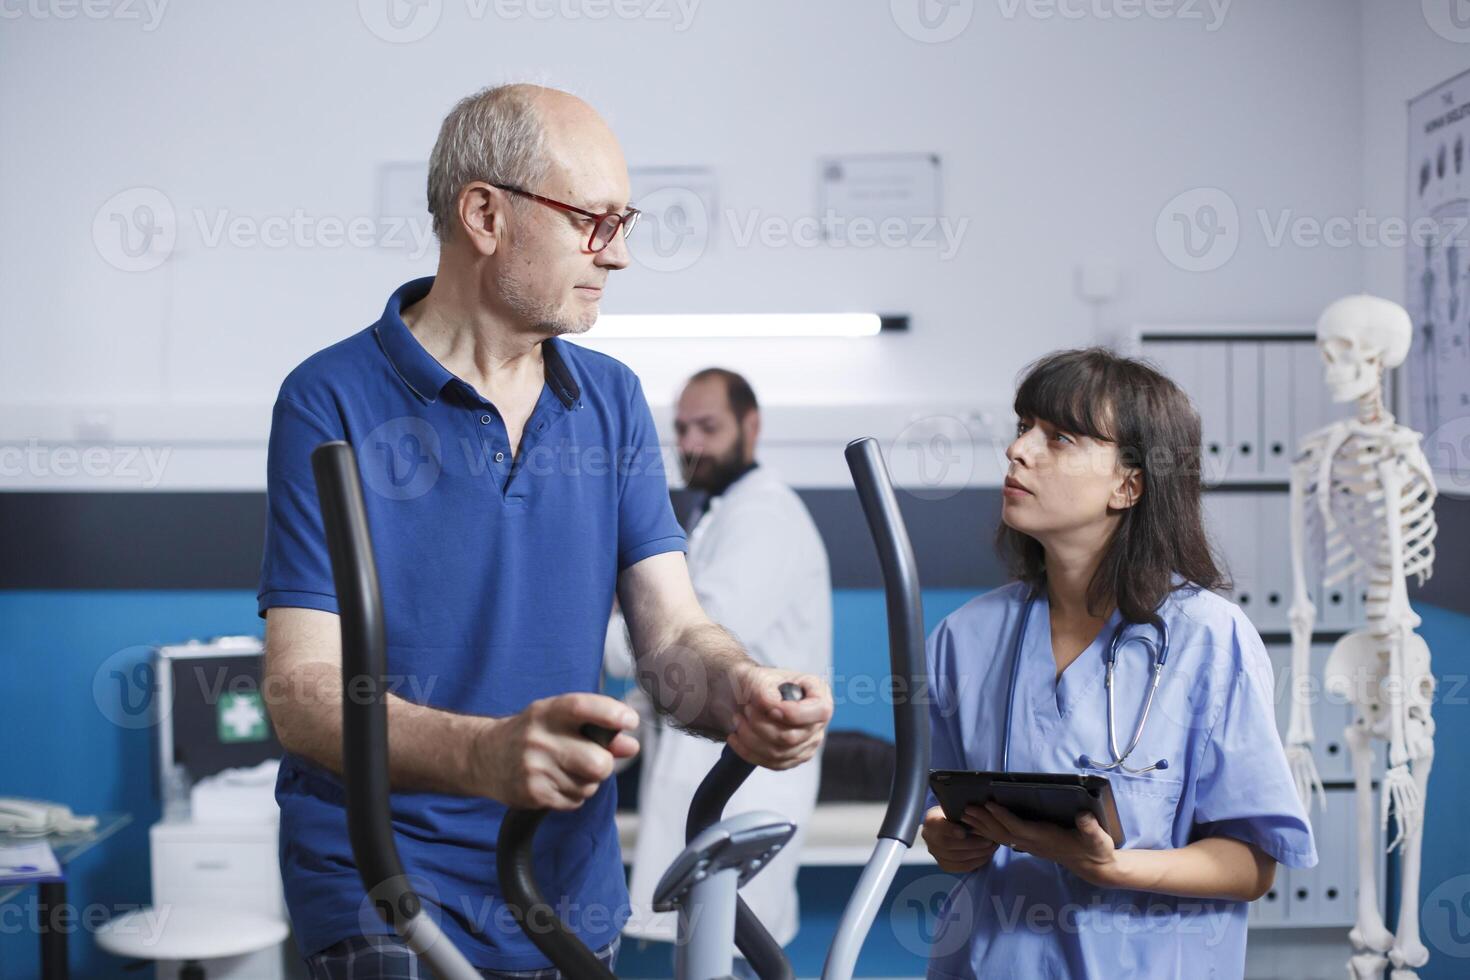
(517, 175)
(561, 113)
(528, 136)
(584, 159)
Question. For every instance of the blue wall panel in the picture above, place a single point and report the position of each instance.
(65, 738)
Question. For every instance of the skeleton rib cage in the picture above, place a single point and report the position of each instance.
(1346, 520)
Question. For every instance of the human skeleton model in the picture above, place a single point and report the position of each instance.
(1362, 491)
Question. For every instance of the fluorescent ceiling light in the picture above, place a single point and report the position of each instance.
(703, 325)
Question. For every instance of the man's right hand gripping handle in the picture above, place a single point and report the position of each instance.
(553, 755)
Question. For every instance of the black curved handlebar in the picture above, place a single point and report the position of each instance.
(537, 919)
(364, 662)
(905, 611)
(906, 799)
(365, 735)
(905, 639)
(708, 805)
(517, 878)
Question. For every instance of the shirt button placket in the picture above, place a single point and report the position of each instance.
(486, 419)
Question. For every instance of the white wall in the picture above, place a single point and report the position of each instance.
(1062, 139)
(1408, 50)
(1403, 57)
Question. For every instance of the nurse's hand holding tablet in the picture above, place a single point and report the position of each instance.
(955, 847)
(1088, 852)
(1108, 669)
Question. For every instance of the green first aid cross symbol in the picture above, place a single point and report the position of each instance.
(242, 718)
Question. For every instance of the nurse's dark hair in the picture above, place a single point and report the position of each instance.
(1099, 393)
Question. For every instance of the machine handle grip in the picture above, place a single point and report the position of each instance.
(602, 736)
(723, 780)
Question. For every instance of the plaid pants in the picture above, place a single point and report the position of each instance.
(388, 958)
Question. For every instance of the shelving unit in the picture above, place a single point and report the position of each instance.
(1259, 390)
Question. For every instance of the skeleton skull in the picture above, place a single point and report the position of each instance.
(1360, 337)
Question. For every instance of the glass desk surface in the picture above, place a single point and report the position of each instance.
(67, 847)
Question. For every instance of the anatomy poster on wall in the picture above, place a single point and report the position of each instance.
(1438, 284)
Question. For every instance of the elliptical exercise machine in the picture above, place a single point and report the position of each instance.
(720, 854)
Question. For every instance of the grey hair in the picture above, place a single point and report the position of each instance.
(495, 135)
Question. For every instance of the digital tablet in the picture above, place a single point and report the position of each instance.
(1050, 796)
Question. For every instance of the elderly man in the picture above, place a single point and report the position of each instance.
(758, 566)
(513, 483)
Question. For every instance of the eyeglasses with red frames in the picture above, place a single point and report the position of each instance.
(604, 226)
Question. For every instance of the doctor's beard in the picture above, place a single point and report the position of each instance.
(712, 474)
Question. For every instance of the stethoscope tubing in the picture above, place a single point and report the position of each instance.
(1158, 654)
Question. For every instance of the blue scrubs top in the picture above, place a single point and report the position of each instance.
(1212, 719)
(497, 573)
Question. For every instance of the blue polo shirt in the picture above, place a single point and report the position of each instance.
(497, 572)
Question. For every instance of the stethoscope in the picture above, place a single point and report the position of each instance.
(1158, 654)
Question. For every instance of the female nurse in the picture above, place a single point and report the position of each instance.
(1101, 527)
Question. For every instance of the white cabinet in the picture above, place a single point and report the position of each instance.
(1258, 393)
(1243, 403)
(1324, 895)
(1280, 432)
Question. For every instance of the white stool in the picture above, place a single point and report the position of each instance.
(190, 933)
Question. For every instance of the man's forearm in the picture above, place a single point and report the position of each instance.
(429, 750)
(692, 679)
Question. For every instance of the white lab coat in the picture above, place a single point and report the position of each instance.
(759, 569)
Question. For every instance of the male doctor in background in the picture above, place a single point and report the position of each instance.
(759, 568)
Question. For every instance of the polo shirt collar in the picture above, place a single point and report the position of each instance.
(561, 373)
(426, 377)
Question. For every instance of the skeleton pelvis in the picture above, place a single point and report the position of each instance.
(1358, 671)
